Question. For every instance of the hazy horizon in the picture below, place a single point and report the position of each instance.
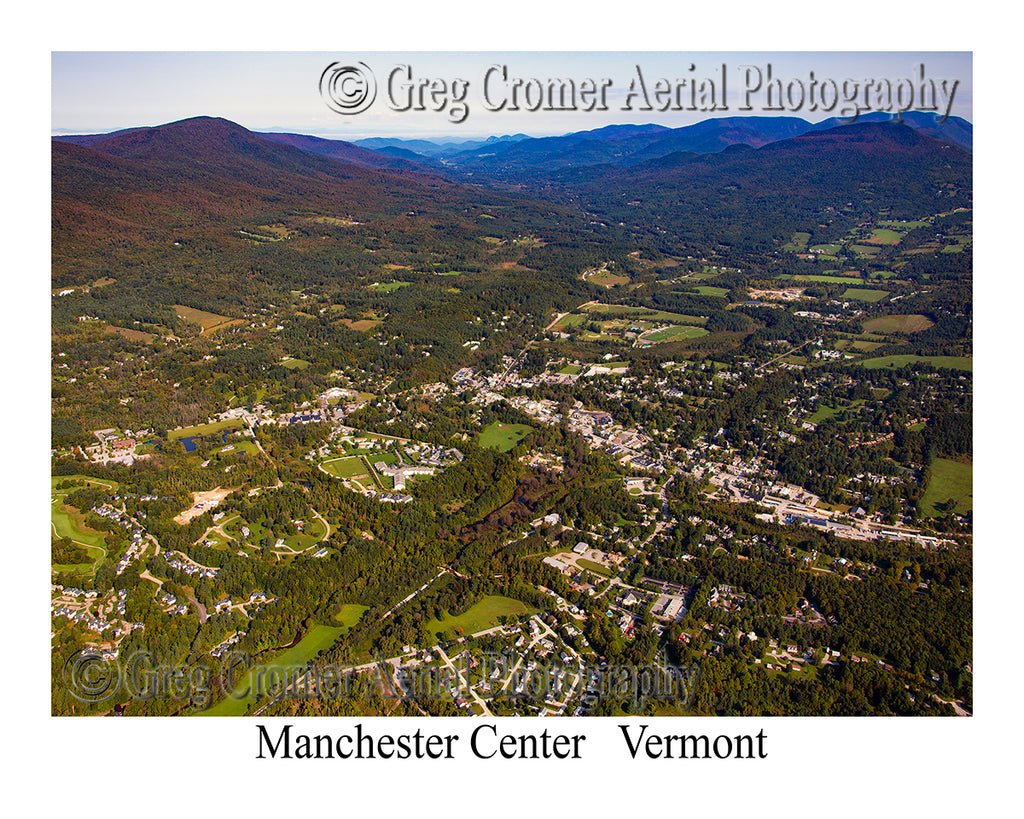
(102, 92)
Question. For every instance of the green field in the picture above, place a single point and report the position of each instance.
(708, 290)
(826, 279)
(249, 447)
(884, 236)
(867, 251)
(862, 294)
(387, 287)
(294, 363)
(605, 278)
(950, 480)
(570, 369)
(345, 467)
(798, 243)
(572, 320)
(80, 480)
(204, 429)
(313, 532)
(66, 521)
(822, 412)
(504, 436)
(479, 617)
(645, 313)
(952, 362)
(673, 333)
(596, 568)
(349, 614)
(912, 323)
(287, 663)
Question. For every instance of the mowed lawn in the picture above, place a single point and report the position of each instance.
(350, 467)
(504, 436)
(66, 521)
(268, 677)
(673, 333)
(480, 617)
(949, 480)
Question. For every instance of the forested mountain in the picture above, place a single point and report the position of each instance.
(752, 198)
(516, 158)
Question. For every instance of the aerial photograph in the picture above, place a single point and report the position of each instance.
(511, 384)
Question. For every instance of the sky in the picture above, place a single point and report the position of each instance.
(98, 92)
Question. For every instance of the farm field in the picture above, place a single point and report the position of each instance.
(504, 436)
(294, 363)
(362, 325)
(895, 361)
(866, 346)
(708, 290)
(950, 480)
(480, 616)
(867, 251)
(863, 294)
(884, 236)
(208, 321)
(913, 323)
(605, 278)
(286, 664)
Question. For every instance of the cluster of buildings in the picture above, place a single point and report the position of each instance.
(183, 564)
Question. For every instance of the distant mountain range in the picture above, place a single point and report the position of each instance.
(513, 156)
(753, 197)
(737, 180)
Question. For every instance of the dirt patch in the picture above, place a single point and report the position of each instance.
(201, 502)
